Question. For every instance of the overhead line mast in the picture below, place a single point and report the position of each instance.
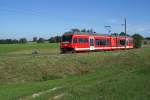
(125, 32)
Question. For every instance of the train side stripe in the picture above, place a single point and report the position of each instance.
(101, 48)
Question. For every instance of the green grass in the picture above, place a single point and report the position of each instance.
(106, 75)
(10, 48)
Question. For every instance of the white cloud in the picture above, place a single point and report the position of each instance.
(141, 29)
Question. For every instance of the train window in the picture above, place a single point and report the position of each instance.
(98, 42)
(86, 40)
(67, 38)
(102, 42)
(75, 40)
(83, 40)
(122, 42)
(80, 40)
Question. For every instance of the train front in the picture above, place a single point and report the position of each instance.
(66, 43)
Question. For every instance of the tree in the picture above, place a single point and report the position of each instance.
(34, 39)
(147, 38)
(123, 34)
(83, 30)
(52, 40)
(23, 40)
(115, 34)
(14, 41)
(75, 30)
(58, 39)
(55, 39)
(8, 41)
(88, 31)
(40, 40)
(137, 40)
(91, 31)
(145, 42)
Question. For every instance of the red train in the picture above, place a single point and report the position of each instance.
(75, 41)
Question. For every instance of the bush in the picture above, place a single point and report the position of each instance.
(23, 40)
(137, 39)
(55, 39)
(8, 41)
(13, 41)
(40, 40)
(145, 42)
(34, 39)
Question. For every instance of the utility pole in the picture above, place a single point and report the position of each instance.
(125, 31)
(125, 24)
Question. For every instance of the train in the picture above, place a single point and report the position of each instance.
(82, 41)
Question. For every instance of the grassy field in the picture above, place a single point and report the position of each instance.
(28, 48)
(48, 75)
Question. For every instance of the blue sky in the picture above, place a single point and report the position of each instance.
(46, 18)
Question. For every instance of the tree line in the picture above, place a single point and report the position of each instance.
(54, 39)
(13, 41)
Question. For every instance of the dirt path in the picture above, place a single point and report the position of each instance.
(34, 95)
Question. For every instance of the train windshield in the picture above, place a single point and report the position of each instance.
(67, 38)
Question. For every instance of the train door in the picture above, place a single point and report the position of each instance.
(92, 43)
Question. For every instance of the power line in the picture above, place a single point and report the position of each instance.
(108, 28)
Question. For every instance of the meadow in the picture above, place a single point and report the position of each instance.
(49, 75)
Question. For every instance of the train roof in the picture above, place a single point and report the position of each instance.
(92, 34)
(85, 33)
